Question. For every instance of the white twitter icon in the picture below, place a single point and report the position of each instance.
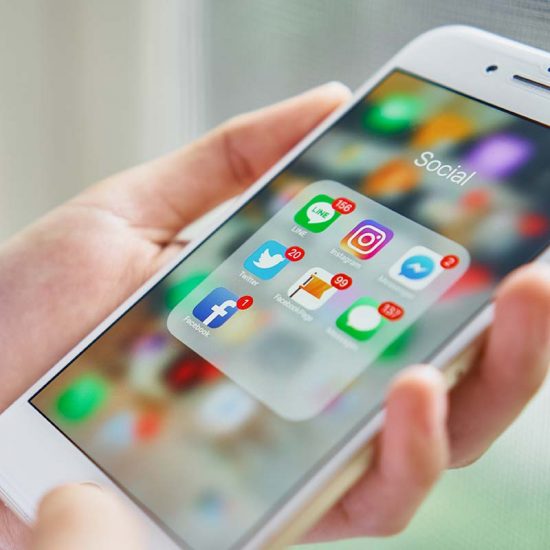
(267, 260)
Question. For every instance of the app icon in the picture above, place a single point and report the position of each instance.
(267, 260)
(178, 290)
(82, 398)
(443, 129)
(317, 214)
(361, 320)
(499, 155)
(211, 506)
(217, 308)
(313, 288)
(417, 268)
(394, 113)
(118, 431)
(366, 239)
(148, 425)
(188, 371)
(226, 410)
(392, 179)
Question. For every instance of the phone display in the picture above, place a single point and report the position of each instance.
(246, 368)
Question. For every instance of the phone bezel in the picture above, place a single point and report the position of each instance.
(455, 57)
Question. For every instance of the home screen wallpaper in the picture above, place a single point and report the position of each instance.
(216, 395)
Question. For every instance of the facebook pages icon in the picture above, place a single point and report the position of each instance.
(217, 308)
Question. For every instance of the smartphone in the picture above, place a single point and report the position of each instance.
(229, 399)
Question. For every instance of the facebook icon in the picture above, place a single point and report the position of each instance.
(217, 308)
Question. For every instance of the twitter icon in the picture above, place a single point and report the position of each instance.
(267, 260)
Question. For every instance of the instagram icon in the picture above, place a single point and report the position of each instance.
(366, 239)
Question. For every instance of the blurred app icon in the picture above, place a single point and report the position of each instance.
(127, 427)
(82, 397)
(498, 156)
(117, 432)
(394, 113)
(188, 371)
(226, 411)
(317, 214)
(211, 505)
(148, 355)
(394, 178)
(217, 308)
(366, 239)
(443, 129)
(178, 290)
(533, 224)
(313, 288)
(361, 320)
(476, 279)
(417, 268)
(267, 260)
(476, 200)
(398, 347)
(148, 425)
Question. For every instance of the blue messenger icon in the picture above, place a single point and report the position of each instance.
(417, 268)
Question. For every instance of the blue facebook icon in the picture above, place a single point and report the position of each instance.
(217, 308)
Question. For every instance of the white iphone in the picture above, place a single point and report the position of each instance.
(235, 386)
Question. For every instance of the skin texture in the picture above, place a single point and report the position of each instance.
(60, 277)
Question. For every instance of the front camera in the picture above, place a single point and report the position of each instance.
(491, 69)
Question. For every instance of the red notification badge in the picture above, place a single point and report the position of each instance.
(449, 261)
(294, 253)
(341, 281)
(343, 205)
(390, 311)
(244, 302)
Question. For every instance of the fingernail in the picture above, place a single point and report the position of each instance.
(92, 484)
(336, 87)
(436, 420)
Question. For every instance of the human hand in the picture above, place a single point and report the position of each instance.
(427, 430)
(100, 246)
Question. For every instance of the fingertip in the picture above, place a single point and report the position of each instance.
(420, 392)
(62, 497)
(518, 350)
(84, 516)
(511, 368)
(531, 282)
(334, 89)
(421, 376)
(72, 496)
(411, 453)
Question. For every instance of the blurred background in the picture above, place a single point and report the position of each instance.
(89, 88)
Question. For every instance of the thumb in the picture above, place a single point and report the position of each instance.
(86, 517)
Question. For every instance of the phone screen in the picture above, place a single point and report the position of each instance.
(220, 392)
